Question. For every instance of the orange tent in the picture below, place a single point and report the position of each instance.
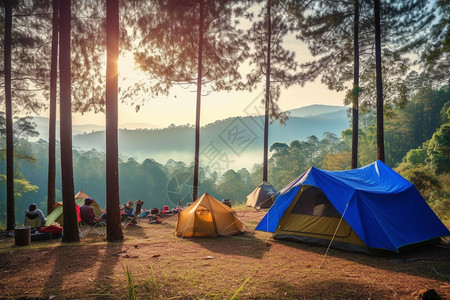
(208, 217)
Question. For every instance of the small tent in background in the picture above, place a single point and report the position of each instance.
(263, 196)
(208, 217)
(57, 214)
(81, 195)
(369, 207)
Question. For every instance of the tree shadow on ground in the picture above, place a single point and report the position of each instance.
(109, 260)
(242, 245)
(329, 289)
(431, 260)
(135, 232)
(66, 264)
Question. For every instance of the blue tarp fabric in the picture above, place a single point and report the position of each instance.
(384, 209)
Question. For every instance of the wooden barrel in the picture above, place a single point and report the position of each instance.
(22, 236)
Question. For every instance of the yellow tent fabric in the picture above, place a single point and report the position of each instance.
(81, 195)
(313, 219)
(208, 217)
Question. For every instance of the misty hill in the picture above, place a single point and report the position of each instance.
(316, 110)
(42, 127)
(137, 125)
(231, 143)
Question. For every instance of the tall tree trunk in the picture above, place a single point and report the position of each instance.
(267, 102)
(52, 113)
(68, 194)
(114, 229)
(355, 110)
(10, 211)
(199, 99)
(380, 130)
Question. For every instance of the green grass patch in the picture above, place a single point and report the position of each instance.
(131, 289)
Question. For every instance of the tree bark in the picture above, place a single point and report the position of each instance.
(10, 211)
(114, 228)
(52, 113)
(68, 194)
(199, 99)
(355, 110)
(267, 101)
(380, 122)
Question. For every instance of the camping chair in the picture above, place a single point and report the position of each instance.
(135, 218)
(34, 221)
(98, 227)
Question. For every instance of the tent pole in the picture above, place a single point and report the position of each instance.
(334, 235)
(233, 224)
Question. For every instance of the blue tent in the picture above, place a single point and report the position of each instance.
(384, 209)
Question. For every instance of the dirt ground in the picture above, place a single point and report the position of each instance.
(153, 263)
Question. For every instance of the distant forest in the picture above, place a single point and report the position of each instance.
(177, 142)
(417, 144)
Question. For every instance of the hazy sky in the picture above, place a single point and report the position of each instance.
(179, 107)
(164, 111)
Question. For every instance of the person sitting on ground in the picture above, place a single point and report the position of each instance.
(87, 213)
(34, 217)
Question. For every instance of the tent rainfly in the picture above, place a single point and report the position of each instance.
(208, 217)
(263, 196)
(57, 213)
(372, 207)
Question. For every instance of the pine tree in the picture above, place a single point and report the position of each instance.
(51, 188)
(271, 63)
(69, 211)
(10, 212)
(331, 35)
(379, 79)
(114, 228)
(189, 42)
(355, 104)
(436, 53)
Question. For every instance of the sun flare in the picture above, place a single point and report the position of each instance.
(126, 65)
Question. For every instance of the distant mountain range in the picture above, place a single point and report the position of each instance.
(231, 143)
(323, 111)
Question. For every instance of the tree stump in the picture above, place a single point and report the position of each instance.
(22, 236)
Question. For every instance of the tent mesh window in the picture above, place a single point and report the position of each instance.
(313, 202)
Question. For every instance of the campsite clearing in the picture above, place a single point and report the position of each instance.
(249, 266)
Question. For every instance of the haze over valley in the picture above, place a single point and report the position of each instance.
(234, 142)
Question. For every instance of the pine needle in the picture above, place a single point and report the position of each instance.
(240, 288)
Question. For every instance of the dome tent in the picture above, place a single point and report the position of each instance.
(263, 196)
(378, 207)
(208, 217)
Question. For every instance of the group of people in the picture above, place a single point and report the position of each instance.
(34, 217)
(129, 210)
(87, 213)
